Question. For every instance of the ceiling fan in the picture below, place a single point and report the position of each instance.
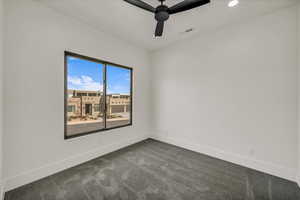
(163, 12)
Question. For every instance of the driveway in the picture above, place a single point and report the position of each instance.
(75, 129)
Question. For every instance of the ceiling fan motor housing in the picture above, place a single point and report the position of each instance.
(161, 13)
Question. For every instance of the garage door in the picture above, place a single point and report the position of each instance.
(117, 109)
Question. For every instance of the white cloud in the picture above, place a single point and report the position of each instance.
(86, 79)
(74, 80)
(84, 83)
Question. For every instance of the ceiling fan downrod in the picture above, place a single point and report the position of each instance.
(163, 12)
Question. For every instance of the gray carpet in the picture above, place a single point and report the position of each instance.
(151, 170)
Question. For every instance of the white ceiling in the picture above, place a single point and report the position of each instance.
(135, 25)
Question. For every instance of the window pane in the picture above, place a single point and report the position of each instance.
(71, 108)
(85, 94)
(118, 99)
(97, 107)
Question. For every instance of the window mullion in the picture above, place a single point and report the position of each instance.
(104, 94)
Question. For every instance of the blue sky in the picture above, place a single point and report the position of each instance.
(87, 75)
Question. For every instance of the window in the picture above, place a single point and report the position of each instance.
(98, 95)
(71, 108)
(97, 107)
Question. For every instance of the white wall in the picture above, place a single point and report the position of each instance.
(232, 94)
(1, 92)
(36, 38)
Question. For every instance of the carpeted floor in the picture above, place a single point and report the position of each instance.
(152, 170)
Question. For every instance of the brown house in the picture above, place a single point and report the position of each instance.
(89, 104)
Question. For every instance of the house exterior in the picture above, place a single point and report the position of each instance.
(89, 104)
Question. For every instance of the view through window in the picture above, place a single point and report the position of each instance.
(88, 83)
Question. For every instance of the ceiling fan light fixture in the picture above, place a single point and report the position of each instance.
(233, 3)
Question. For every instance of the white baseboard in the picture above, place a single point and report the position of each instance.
(263, 166)
(52, 168)
(298, 179)
(1, 191)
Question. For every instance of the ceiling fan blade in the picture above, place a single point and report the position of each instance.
(141, 4)
(159, 28)
(187, 5)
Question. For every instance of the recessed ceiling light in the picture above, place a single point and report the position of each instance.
(233, 3)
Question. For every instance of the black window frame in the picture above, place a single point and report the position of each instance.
(105, 64)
